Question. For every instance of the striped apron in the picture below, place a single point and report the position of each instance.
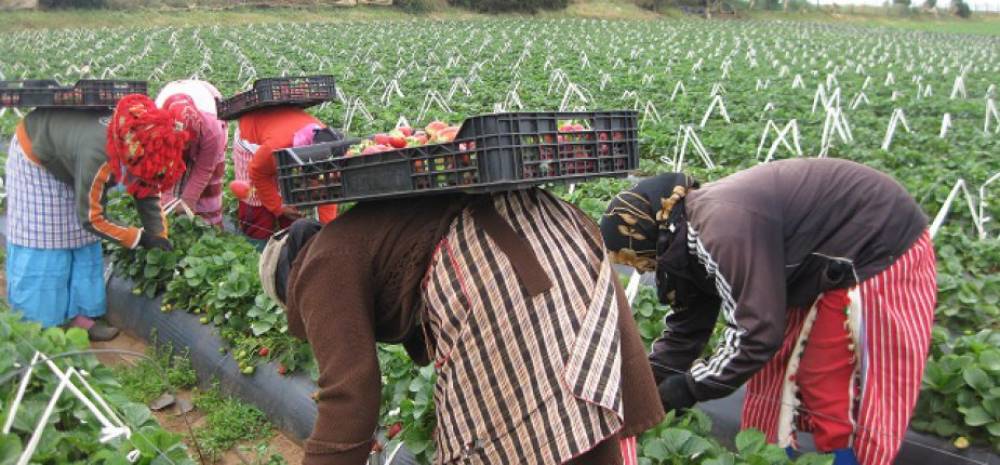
(522, 379)
(41, 210)
(889, 319)
(242, 154)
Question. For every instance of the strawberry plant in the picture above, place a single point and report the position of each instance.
(72, 433)
(961, 394)
(686, 439)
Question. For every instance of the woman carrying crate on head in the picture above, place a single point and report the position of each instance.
(60, 166)
(824, 274)
(259, 133)
(510, 296)
(200, 191)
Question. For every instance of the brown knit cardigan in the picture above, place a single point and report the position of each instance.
(358, 282)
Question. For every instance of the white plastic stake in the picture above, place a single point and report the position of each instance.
(896, 118)
(686, 136)
(958, 88)
(797, 82)
(20, 393)
(819, 96)
(991, 114)
(858, 100)
(946, 208)
(945, 125)
(650, 112)
(983, 214)
(781, 139)
(679, 87)
(716, 103)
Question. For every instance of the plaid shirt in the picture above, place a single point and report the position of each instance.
(42, 211)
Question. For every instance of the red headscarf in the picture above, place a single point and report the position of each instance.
(146, 146)
(183, 108)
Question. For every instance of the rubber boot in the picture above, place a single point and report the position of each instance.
(845, 457)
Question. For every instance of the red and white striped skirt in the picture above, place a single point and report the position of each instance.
(889, 318)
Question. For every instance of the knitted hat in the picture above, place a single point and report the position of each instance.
(146, 146)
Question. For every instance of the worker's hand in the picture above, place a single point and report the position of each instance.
(183, 207)
(675, 393)
(152, 241)
(291, 212)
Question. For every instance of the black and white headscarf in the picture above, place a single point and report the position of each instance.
(646, 228)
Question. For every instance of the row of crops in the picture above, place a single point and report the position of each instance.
(713, 98)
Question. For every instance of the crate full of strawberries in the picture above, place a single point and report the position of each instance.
(487, 153)
(301, 91)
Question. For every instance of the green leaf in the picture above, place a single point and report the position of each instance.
(136, 415)
(990, 360)
(78, 338)
(977, 416)
(750, 442)
(260, 327)
(10, 449)
(977, 378)
(674, 440)
(656, 449)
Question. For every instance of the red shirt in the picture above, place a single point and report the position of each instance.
(271, 129)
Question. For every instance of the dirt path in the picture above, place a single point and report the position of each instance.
(172, 421)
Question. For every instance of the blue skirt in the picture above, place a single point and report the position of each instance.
(53, 286)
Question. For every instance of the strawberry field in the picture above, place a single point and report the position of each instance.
(713, 98)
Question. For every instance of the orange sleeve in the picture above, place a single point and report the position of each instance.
(263, 176)
(97, 222)
(22, 138)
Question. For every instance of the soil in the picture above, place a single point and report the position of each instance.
(172, 421)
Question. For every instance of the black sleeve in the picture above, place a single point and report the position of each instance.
(744, 255)
(686, 331)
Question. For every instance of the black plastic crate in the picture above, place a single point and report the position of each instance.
(302, 91)
(86, 93)
(493, 152)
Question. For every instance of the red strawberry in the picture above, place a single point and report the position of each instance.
(376, 149)
(263, 351)
(394, 430)
(397, 141)
(407, 131)
(282, 369)
(382, 139)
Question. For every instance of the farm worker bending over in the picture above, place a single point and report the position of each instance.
(824, 274)
(200, 191)
(59, 169)
(510, 296)
(259, 134)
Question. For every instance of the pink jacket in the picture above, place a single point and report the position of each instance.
(201, 188)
